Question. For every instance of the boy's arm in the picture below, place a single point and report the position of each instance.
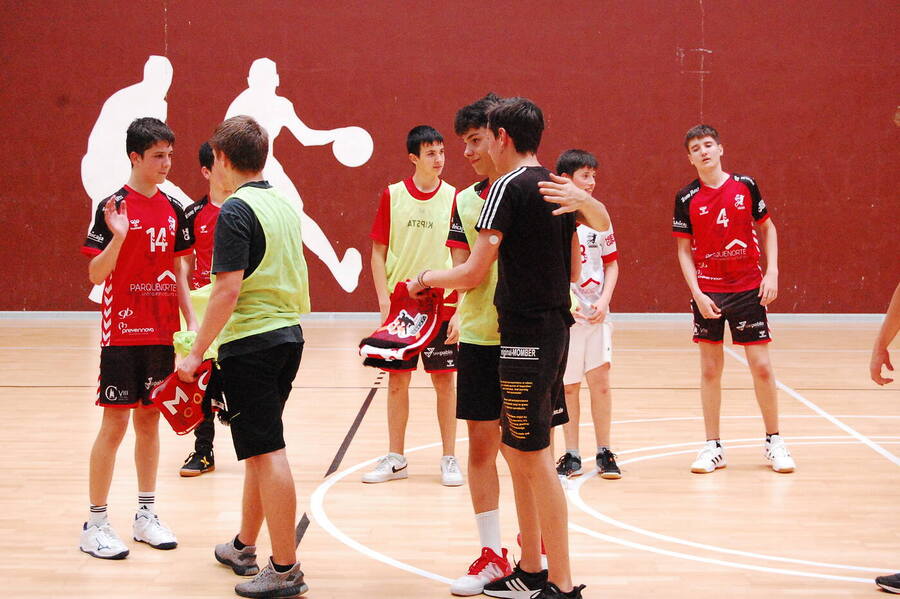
(575, 259)
(457, 256)
(379, 276)
(222, 300)
(768, 289)
(103, 263)
(707, 307)
(467, 275)
(590, 211)
(182, 269)
(886, 334)
(610, 277)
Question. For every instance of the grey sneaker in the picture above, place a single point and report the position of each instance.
(242, 561)
(269, 583)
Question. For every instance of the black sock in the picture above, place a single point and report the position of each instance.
(237, 543)
(769, 437)
(282, 569)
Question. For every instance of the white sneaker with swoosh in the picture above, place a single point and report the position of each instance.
(390, 467)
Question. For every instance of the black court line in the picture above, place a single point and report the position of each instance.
(345, 445)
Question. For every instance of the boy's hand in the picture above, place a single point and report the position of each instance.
(768, 289)
(601, 309)
(453, 330)
(560, 190)
(414, 289)
(116, 220)
(880, 357)
(707, 307)
(187, 367)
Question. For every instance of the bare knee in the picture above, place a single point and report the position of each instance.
(146, 422)
(113, 426)
(762, 371)
(484, 443)
(442, 381)
(398, 382)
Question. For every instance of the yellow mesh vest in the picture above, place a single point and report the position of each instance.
(477, 313)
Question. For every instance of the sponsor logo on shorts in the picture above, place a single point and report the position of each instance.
(430, 351)
(112, 393)
(510, 352)
(557, 411)
(763, 334)
(700, 331)
(753, 325)
(405, 325)
(151, 382)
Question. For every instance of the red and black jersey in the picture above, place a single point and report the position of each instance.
(140, 304)
(719, 222)
(201, 217)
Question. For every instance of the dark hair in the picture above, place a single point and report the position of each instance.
(206, 155)
(144, 132)
(522, 120)
(474, 116)
(700, 131)
(423, 134)
(572, 160)
(243, 141)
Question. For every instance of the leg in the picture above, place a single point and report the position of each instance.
(573, 405)
(446, 409)
(764, 384)
(251, 505)
(146, 447)
(542, 502)
(279, 502)
(601, 403)
(103, 453)
(712, 360)
(398, 410)
(484, 484)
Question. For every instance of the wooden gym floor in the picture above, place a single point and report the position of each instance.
(744, 532)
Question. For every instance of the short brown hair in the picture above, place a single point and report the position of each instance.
(243, 141)
(698, 131)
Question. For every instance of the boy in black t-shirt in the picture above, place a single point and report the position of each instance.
(518, 226)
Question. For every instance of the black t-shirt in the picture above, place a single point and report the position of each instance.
(535, 263)
(240, 245)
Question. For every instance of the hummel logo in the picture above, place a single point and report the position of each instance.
(735, 242)
(704, 210)
(166, 274)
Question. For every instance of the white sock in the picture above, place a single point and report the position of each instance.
(489, 530)
(98, 515)
(398, 456)
(146, 500)
(574, 452)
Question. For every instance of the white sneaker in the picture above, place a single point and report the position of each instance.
(487, 568)
(451, 476)
(149, 529)
(102, 541)
(388, 468)
(710, 458)
(778, 455)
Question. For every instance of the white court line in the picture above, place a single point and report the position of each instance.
(847, 429)
(576, 498)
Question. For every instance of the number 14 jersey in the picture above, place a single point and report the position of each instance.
(140, 305)
(720, 224)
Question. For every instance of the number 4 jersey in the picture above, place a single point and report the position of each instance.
(140, 304)
(720, 224)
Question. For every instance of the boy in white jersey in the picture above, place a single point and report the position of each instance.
(590, 338)
(409, 235)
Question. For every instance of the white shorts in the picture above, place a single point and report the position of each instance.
(590, 346)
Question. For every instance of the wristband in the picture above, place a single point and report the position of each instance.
(421, 279)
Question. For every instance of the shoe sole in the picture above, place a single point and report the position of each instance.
(700, 471)
(237, 568)
(888, 588)
(193, 473)
(510, 594)
(122, 555)
(611, 475)
(402, 474)
(161, 546)
(293, 591)
(783, 470)
(453, 484)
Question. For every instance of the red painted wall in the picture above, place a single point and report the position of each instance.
(804, 94)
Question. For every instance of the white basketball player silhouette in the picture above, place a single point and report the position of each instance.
(105, 166)
(351, 146)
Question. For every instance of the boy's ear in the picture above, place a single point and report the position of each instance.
(134, 157)
(205, 172)
(414, 158)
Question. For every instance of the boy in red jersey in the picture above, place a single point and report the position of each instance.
(202, 216)
(138, 243)
(409, 234)
(719, 257)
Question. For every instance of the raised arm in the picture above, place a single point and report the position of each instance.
(571, 198)
(117, 221)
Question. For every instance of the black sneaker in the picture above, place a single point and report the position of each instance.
(518, 585)
(551, 591)
(891, 583)
(606, 465)
(197, 463)
(569, 465)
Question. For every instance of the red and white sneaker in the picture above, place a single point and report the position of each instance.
(543, 550)
(487, 568)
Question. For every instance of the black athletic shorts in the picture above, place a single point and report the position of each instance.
(436, 357)
(129, 372)
(256, 386)
(745, 315)
(533, 352)
(478, 382)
